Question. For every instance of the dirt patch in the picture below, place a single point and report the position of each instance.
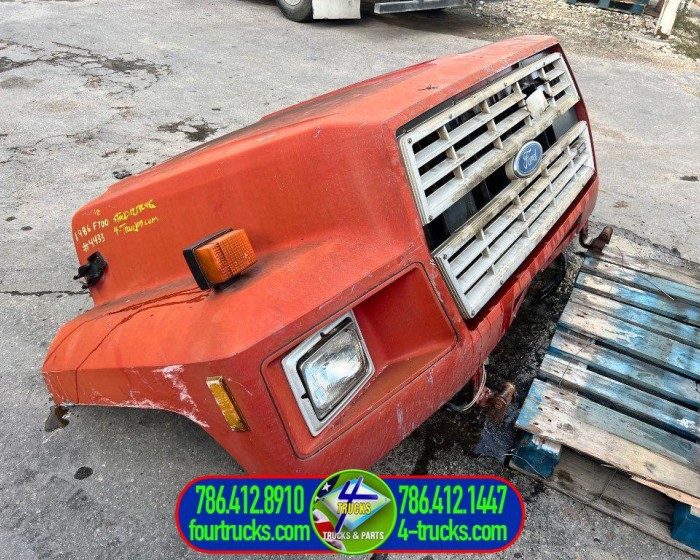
(119, 75)
(582, 28)
(196, 130)
(687, 36)
(611, 133)
(17, 82)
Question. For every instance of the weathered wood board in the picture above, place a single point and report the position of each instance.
(620, 385)
(621, 441)
(614, 494)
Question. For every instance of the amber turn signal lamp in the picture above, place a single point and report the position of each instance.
(220, 258)
(226, 403)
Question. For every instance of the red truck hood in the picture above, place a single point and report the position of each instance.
(322, 192)
(324, 169)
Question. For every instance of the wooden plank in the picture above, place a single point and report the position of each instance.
(677, 418)
(676, 290)
(632, 339)
(675, 330)
(654, 268)
(613, 438)
(625, 368)
(670, 492)
(615, 495)
(593, 415)
(656, 303)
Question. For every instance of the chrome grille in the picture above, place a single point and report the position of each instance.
(468, 143)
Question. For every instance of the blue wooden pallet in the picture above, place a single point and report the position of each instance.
(632, 6)
(619, 387)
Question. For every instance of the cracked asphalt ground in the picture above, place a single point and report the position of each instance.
(91, 92)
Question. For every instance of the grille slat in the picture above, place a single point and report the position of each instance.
(460, 155)
(557, 89)
(555, 73)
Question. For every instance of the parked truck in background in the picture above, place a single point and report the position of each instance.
(349, 262)
(307, 10)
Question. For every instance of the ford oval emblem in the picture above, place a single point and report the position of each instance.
(527, 159)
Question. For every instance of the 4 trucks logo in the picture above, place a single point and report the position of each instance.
(353, 512)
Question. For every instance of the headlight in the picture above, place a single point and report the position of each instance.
(327, 369)
(330, 371)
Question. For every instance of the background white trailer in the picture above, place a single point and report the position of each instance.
(306, 10)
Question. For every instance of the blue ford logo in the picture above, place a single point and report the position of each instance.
(527, 159)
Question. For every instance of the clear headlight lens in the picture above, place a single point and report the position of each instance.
(327, 370)
(331, 371)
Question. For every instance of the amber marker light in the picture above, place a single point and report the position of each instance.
(219, 258)
(226, 403)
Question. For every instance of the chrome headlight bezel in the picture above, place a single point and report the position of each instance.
(303, 352)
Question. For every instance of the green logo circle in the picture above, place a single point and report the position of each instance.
(353, 512)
